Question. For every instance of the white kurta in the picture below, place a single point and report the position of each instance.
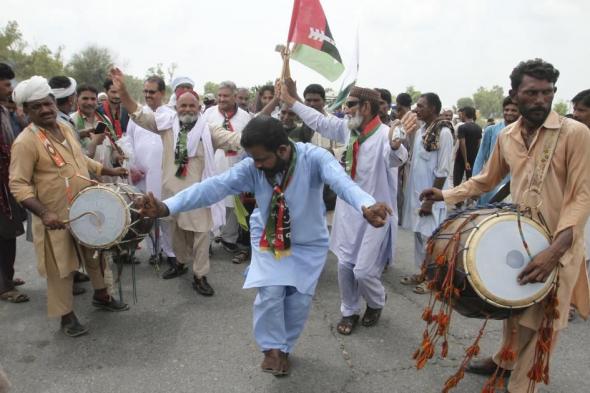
(425, 167)
(147, 153)
(222, 161)
(352, 238)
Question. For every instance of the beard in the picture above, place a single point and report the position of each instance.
(355, 122)
(280, 166)
(188, 118)
(536, 114)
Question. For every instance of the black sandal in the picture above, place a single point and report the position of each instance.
(371, 316)
(347, 324)
(110, 305)
(241, 257)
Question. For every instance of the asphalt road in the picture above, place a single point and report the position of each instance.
(174, 340)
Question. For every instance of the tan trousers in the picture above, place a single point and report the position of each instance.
(191, 246)
(524, 343)
(60, 300)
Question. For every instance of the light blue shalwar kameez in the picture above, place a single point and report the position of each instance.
(285, 286)
(488, 142)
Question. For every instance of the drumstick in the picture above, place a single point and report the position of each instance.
(80, 216)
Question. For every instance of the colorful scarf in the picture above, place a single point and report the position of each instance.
(80, 124)
(6, 138)
(115, 120)
(355, 142)
(181, 150)
(276, 236)
(431, 137)
(227, 116)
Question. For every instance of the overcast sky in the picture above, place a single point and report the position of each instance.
(450, 47)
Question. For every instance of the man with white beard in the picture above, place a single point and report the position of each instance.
(146, 171)
(188, 158)
(231, 117)
(372, 159)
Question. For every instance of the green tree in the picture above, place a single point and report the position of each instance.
(465, 101)
(157, 70)
(91, 66)
(211, 87)
(561, 107)
(489, 101)
(415, 94)
(28, 62)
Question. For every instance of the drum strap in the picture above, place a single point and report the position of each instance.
(532, 200)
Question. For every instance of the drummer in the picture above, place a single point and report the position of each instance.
(564, 203)
(42, 156)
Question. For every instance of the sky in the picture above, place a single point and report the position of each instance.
(449, 47)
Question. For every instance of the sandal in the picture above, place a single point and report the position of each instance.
(371, 316)
(109, 305)
(17, 282)
(14, 296)
(241, 257)
(347, 324)
(414, 279)
(422, 288)
(571, 314)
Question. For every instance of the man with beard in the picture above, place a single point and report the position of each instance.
(511, 114)
(10, 213)
(39, 156)
(146, 171)
(371, 161)
(289, 234)
(188, 158)
(431, 155)
(547, 158)
(232, 118)
(112, 110)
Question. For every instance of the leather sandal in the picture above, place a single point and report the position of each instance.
(347, 324)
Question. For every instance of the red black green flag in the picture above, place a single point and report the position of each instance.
(314, 43)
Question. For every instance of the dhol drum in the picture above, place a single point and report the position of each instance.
(104, 217)
(490, 254)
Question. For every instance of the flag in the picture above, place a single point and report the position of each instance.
(314, 44)
(350, 77)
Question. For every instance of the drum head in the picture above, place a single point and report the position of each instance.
(496, 256)
(109, 221)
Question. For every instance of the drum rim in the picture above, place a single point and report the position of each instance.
(127, 217)
(476, 281)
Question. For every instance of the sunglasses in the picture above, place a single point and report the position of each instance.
(152, 92)
(351, 104)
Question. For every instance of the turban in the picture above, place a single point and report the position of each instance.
(182, 80)
(32, 89)
(102, 96)
(365, 94)
(191, 91)
(63, 92)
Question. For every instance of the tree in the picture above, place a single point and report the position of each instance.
(211, 87)
(561, 107)
(489, 101)
(465, 101)
(157, 70)
(26, 63)
(415, 94)
(91, 66)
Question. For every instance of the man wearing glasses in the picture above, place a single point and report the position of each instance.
(372, 159)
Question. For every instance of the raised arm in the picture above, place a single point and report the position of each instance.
(329, 127)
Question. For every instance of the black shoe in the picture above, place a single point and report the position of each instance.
(230, 247)
(80, 277)
(71, 327)
(176, 269)
(78, 290)
(110, 305)
(202, 286)
(371, 316)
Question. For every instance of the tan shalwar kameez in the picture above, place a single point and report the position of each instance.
(565, 204)
(190, 230)
(34, 174)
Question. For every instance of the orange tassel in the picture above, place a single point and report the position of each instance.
(445, 349)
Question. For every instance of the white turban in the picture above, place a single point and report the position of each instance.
(63, 92)
(32, 89)
(182, 80)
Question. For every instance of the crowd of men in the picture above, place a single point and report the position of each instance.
(258, 177)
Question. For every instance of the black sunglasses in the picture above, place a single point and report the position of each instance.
(150, 91)
(351, 104)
